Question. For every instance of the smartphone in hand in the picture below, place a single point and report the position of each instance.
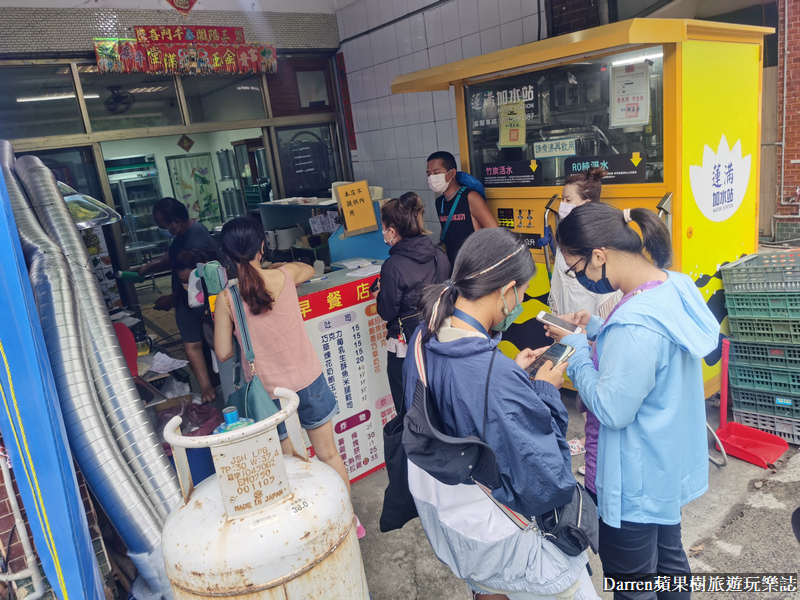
(375, 285)
(548, 319)
(557, 354)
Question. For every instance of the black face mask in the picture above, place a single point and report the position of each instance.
(603, 286)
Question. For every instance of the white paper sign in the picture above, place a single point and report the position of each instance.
(719, 185)
(630, 95)
(553, 148)
(350, 339)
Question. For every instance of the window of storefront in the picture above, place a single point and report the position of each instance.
(571, 117)
(307, 159)
(150, 118)
(301, 86)
(223, 98)
(211, 179)
(37, 101)
(129, 101)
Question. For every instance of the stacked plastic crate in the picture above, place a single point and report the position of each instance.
(762, 292)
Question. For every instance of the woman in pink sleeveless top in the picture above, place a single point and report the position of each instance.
(284, 356)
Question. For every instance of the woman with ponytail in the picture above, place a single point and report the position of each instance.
(643, 380)
(478, 391)
(567, 296)
(284, 356)
(414, 262)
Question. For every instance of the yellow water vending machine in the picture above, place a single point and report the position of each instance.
(670, 108)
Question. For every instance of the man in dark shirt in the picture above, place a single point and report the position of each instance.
(468, 208)
(172, 216)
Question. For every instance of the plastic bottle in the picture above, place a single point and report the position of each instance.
(232, 420)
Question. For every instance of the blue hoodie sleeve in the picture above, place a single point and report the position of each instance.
(593, 328)
(526, 430)
(627, 374)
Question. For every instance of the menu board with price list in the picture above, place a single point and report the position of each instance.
(350, 338)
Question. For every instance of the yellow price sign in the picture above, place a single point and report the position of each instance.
(355, 204)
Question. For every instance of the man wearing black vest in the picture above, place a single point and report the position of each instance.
(461, 210)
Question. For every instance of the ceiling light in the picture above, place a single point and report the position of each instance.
(54, 97)
(637, 59)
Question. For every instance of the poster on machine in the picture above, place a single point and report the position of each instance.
(630, 95)
(350, 339)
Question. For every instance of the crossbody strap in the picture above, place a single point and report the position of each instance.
(519, 520)
(452, 212)
(244, 330)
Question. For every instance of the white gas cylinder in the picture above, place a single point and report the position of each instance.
(266, 525)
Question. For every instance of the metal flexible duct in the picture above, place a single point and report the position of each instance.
(123, 408)
(90, 437)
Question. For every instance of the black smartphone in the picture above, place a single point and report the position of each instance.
(374, 287)
(557, 354)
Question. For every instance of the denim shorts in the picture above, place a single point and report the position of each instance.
(317, 406)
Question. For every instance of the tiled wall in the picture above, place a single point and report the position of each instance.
(386, 38)
(29, 31)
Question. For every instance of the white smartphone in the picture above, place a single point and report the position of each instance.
(557, 354)
(549, 319)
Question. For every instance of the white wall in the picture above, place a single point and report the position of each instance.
(287, 6)
(395, 133)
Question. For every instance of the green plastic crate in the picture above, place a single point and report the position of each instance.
(765, 355)
(765, 330)
(768, 403)
(766, 304)
(764, 272)
(765, 379)
(788, 429)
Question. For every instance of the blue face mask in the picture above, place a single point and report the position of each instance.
(596, 287)
(511, 315)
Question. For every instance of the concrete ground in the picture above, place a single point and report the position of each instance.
(741, 525)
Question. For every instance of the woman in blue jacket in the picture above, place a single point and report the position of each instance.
(481, 392)
(643, 380)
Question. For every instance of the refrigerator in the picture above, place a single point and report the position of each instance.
(136, 189)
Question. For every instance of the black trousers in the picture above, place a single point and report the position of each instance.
(644, 548)
(394, 369)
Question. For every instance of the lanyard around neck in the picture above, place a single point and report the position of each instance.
(470, 320)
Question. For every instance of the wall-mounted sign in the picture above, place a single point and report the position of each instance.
(355, 205)
(630, 167)
(129, 56)
(182, 6)
(554, 148)
(719, 185)
(630, 95)
(169, 34)
(510, 108)
(512, 125)
(517, 173)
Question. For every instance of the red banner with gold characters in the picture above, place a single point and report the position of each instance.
(182, 6)
(129, 56)
(170, 34)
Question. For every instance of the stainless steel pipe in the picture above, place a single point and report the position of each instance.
(90, 436)
(121, 404)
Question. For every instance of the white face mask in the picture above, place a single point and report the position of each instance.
(564, 209)
(438, 183)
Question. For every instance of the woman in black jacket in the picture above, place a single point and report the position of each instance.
(414, 262)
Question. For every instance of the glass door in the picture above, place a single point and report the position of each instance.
(140, 196)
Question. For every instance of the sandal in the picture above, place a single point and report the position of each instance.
(360, 531)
